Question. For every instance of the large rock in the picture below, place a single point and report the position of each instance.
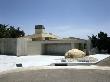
(74, 53)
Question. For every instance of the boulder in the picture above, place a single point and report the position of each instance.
(74, 53)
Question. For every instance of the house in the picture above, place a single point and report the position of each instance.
(41, 42)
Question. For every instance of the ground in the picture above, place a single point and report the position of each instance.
(36, 69)
(9, 62)
(57, 75)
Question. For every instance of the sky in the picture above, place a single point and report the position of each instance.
(65, 18)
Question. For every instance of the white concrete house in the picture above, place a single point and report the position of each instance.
(40, 43)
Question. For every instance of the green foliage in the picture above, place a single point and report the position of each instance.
(7, 31)
(101, 42)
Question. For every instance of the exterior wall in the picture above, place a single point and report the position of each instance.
(21, 47)
(8, 46)
(39, 31)
(72, 46)
(89, 47)
(13, 46)
(57, 48)
(34, 48)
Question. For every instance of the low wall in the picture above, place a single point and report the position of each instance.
(21, 47)
(13, 46)
(34, 48)
(56, 48)
(8, 46)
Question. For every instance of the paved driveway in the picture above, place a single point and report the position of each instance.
(58, 75)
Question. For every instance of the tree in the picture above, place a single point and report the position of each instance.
(93, 40)
(7, 31)
(3, 30)
(101, 42)
(20, 33)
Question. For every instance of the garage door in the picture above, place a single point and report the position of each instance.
(57, 48)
